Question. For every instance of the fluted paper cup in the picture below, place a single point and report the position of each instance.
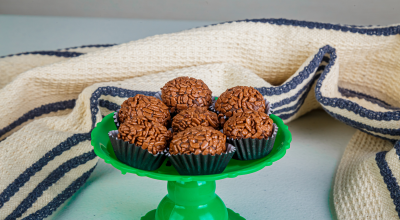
(115, 117)
(252, 149)
(133, 155)
(191, 164)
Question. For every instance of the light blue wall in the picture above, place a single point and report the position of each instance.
(360, 12)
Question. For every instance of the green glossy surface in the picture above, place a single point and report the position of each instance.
(196, 199)
(232, 215)
(103, 149)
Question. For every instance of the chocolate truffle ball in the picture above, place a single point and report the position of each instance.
(198, 140)
(193, 117)
(249, 124)
(239, 99)
(147, 106)
(150, 135)
(184, 92)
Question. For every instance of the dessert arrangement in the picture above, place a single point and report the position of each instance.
(198, 133)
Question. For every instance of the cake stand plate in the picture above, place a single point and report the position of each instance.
(190, 197)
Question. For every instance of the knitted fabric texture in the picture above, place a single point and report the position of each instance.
(51, 100)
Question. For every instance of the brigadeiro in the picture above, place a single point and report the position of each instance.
(184, 92)
(239, 99)
(143, 106)
(141, 143)
(193, 117)
(199, 151)
(253, 134)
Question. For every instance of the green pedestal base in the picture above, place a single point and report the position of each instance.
(194, 200)
(231, 214)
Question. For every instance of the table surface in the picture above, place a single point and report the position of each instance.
(299, 186)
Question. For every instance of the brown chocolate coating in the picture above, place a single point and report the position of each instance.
(150, 135)
(239, 99)
(198, 140)
(148, 106)
(184, 92)
(249, 124)
(193, 117)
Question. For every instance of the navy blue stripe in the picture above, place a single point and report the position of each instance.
(90, 46)
(109, 105)
(354, 124)
(44, 109)
(58, 53)
(37, 166)
(384, 31)
(389, 179)
(61, 198)
(359, 125)
(346, 104)
(351, 93)
(293, 83)
(320, 68)
(52, 178)
(301, 100)
(397, 147)
(326, 59)
(66, 54)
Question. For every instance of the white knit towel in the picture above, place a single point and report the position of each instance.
(51, 100)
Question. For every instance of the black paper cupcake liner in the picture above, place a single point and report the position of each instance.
(252, 149)
(135, 156)
(115, 117)
(190, 164)
(212, 106)
(158, 95)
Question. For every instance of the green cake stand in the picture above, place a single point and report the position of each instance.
(190, 197)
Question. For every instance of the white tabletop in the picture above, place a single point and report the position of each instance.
(299, 186)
